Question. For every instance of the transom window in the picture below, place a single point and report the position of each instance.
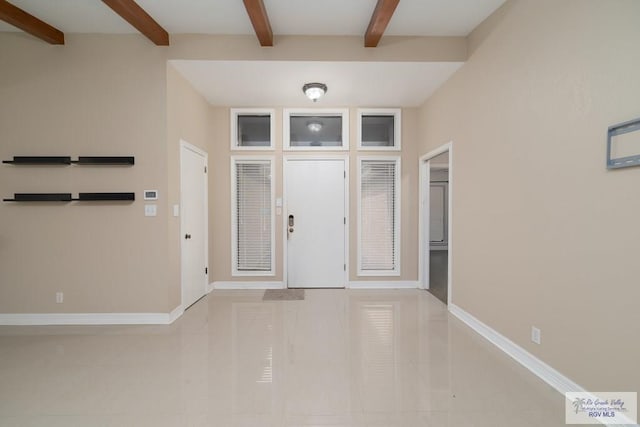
(379, 129)
(316, 129)
(252, 129)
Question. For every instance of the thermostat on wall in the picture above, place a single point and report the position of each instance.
(151, 194)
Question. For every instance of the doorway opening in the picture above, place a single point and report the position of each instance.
(435, 223)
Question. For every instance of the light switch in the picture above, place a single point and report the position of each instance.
(176, 210)
(150, 210)
(279, 202)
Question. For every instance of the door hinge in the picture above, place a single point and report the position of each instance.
(206, 270)
(345, 174)
(345, 220)
(345, 267)
(205, 169)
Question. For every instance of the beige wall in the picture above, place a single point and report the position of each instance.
(317, 48)
(188, 119)
(543, 234)
(94, 96)
(220, 192)
(115, 95)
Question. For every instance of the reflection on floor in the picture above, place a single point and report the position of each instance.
(336, 358)
(438, 261)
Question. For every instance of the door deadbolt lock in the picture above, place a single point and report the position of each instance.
(291, 223)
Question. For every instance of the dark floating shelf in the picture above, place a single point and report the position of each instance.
(66, 160)
(66, 197)
(103, 197)
(39, 160)
(40, 197)
(105, 160)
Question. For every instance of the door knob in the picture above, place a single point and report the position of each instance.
(187, 236)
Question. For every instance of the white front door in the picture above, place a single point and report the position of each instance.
(193, 224)
(316, 223)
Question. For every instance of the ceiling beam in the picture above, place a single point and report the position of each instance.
(26, 22)
(260, 21)
(131, 12)
(379, 20)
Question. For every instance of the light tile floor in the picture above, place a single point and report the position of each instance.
(337, 358)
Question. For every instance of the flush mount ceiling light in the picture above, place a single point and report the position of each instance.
(314, 90)
(314, 126)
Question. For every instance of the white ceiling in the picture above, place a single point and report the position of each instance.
(279, 83)
(241, 83)
(300, 17)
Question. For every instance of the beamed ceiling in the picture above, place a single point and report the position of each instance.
(362, 81)
(49, 20)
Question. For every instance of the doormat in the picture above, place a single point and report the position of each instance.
(283, 295)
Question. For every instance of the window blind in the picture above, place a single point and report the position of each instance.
(378, 192)
(253, 216)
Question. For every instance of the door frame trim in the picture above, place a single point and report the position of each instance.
(297, 157)
(423, 230)
(185, 145)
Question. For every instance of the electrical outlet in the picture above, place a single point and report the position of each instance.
(535, 335)
(59, 297)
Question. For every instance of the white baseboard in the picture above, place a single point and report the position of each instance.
(176, 313)
(552, 377)
(248, 285)
(89, 318)
(545, 372)
(390, 284)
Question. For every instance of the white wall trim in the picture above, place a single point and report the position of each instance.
(549, 375)
(90, 318)
(176, 313)
(248, 285)
(555, 379)
(390, 284)
(424, 168)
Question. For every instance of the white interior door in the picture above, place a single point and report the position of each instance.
(316, 223)
(193, 224)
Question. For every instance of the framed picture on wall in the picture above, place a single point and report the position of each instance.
(623, 145)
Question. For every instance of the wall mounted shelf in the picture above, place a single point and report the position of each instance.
(40, 197)
(104, 197)
(66, 160)
(104, 160)
(39, 160)
(66, 197)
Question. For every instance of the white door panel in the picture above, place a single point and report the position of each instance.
(315, 192)
(193, 197)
